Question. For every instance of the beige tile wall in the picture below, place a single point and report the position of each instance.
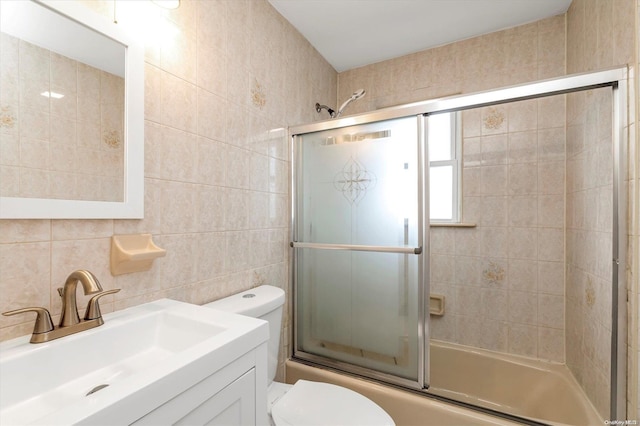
(503, 280)
(517, 55)
(504, 284)
(65, 148)
(216, 103)
(601, 34)
(589, 239)
(218, 99)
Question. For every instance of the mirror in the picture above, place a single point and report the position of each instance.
(71, 114)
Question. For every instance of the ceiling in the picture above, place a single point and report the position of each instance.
(353, 33)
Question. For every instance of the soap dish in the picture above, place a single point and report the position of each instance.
(133, 253)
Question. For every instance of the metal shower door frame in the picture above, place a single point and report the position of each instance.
(617, 80)
(422, 250)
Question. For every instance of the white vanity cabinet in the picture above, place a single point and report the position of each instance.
(160, 363)
(234, 395)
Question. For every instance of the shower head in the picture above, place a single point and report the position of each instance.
(354, 96)
(358, 94)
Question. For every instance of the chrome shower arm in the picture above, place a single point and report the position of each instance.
(319, 108)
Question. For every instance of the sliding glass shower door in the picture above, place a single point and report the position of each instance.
(358, 239)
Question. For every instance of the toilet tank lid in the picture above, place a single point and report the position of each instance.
(255, 302)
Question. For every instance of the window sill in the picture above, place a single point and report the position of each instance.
(452, 225)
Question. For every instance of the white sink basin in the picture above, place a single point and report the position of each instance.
(149, 352)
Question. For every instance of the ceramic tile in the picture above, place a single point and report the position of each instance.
(551, 144)
(236, 242)
(178, 158)
(551, 210)
(523, 116)
(179, 56)
(211, 258)
(523, 243)
(152, 86)
(494, 180)
(176, 268)
(80, 229)
(210, 208)
(212, 69)
(550, 244)
(495, 241)
(551, 344)
(26, 264)
(468, 271)
(523, 179)
(523, 147)
(523, 211)
(523, 275)
(442, 269)
(442, 241)
(523, 340)
(238, 168)
(259, 172)
(258, 208)
(468, 242)
(494, 150)
(210, 105)
(211, 162)
(178, 214)
(236, 215)
(179, 103)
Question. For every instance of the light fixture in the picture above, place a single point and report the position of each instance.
(167, 4)
(53, 95)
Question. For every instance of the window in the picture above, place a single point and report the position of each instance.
(444, 166)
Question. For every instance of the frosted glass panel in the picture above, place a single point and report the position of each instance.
(359, 307)
(359, 186)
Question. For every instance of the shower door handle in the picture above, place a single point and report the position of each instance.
(354, 247)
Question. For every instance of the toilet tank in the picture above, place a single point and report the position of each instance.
(264, 302)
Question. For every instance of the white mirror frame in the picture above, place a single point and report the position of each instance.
(132, 206)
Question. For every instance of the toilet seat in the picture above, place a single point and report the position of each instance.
(323, 404)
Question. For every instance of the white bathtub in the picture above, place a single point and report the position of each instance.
(506, 383)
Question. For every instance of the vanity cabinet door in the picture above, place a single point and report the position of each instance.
(227, 397)
(234, 405)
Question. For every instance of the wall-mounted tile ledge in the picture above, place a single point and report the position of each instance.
(133, 253)
(452, 225)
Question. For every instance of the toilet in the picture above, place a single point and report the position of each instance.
(305, 402)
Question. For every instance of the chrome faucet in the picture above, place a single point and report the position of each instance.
(70, 322)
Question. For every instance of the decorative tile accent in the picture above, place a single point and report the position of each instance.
(7, 118)
(354, 181)
(493, 273)
(258, 97)
(494, 120)
(112, 139)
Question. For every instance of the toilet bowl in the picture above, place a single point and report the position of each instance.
(305, 402)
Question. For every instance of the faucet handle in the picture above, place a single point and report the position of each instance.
(93, 308)
(43, 320)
